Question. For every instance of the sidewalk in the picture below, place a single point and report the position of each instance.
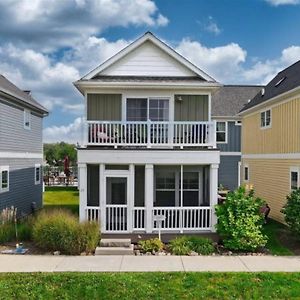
(43, 263)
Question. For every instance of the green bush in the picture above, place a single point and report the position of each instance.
(291, 212)
(7, 233)
(180, 246)
(240, 221)
(151, 245)
(59, 230)
(203, 246)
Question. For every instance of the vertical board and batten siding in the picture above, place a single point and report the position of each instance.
(22, 188)
(282, 137)
(271, 181)
(191, 108)
(233, 138)
(104, 107)
(147, 60)
(13, 136)
(228, 174)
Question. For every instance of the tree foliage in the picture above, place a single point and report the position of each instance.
(56, 152)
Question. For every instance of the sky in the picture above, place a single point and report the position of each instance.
(45, 45)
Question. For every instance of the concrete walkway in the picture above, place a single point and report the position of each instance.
(44, 263)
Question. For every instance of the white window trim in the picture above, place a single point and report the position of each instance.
(244, 168)
(4, 168)
(226, 132)
(27, 111)
(35, 167)
(264, 111)
(296, 170)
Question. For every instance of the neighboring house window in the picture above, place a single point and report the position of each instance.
(165, 188)
(27, 119)
(265, 119)
(4, 179)
(246, 173)
(37, 174)
(221, 132)
(294, 178)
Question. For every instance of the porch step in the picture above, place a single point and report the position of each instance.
(126, 243)
(115, 250)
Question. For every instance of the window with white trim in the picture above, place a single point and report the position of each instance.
(37, 174)
(221, 132)
(246, 173)
(165, 185)
(294, 178)
(265, 119)
(4, 179)
(27, 119)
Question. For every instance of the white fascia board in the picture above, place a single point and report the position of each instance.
(156, 157)
(148, 37)
(227, 118)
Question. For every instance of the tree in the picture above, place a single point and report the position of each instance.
(55, 153)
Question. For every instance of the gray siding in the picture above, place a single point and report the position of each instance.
(22, 188)
(228, 171)
(104, 107)
(13, 136)
(233, 138)
(191, 108)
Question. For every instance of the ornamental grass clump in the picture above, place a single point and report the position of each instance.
(240, 221)
(59, 230)
(151, 245)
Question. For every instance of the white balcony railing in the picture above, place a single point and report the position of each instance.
(149, 134)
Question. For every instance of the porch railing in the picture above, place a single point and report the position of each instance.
(149, 134)
(116, 218)
(139, 218)
(93, 213)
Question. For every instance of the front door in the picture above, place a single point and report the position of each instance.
(116, 203)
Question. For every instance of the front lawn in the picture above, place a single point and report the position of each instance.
(150, 286)
(62, 197)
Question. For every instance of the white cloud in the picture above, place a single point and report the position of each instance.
(212, 26)
(162, 20)
(71, 133)
(283, 2)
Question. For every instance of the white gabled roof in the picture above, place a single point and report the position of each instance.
(148, 36)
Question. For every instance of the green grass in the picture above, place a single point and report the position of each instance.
(150, 286)
(62, 197)
(272, 230)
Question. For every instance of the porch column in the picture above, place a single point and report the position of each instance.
(102, 200)
(213, 193)
(149, 180)
(82, 171)
(130, 200)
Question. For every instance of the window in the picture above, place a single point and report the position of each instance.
(27, 119)
(4, 179)
(165, 188)
(246, 173)
(294, 178)
(190, 188)
(265, 119)
(221, 132)
(37, 174)
(142, 109)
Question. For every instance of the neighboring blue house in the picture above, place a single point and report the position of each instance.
(21, 149)
(226, 103)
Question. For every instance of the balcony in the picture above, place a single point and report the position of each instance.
(151, 134)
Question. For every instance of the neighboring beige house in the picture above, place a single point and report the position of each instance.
(149, 151)
(271, 139)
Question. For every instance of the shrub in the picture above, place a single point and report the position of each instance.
(203, 246)
(291, 212)
(240, 221)
(60, 230)
(180, 246)
(151, 245)
(7, 233)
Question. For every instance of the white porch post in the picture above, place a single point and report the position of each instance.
(213, 193)
(130, 200)
(149, 183)
(82, 191)
(102, 200)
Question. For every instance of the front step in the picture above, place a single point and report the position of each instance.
(115, 250)
(115, 243)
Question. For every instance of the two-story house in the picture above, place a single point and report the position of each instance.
(271, 139)
(21, 149)
(227, 101)
(149, 157)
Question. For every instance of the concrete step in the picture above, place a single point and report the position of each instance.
(115, 243)
(115, 250)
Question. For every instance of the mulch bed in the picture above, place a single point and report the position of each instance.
(288, 240)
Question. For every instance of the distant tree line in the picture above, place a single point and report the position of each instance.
(55, 153)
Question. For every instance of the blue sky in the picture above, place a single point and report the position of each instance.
(45, 45)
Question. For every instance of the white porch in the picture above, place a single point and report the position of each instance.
(126, 198)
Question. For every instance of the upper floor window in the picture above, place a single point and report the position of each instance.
(4, 179)
(27, 119)
(37, 174)
(294, 178)
(265, 119)
(143, 109)
(221, 132)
